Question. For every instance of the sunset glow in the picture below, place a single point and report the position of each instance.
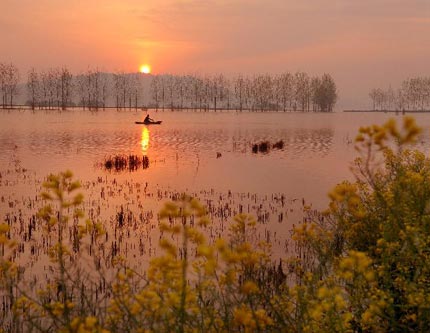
(145, 69)
(352, 44)
(145, 140)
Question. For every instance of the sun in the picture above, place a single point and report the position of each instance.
(145, 69)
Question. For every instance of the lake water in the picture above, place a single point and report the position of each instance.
(205, 154)
(183, 150)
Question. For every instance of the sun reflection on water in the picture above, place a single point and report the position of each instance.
(145, 140)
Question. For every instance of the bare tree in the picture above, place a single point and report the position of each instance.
(315, 91)
(163, 91)
(181, 87)
(170, 89)
(122, 88)
(33, 88)
(81, 88)
(198, 91)
(239, 91)
(373, 96)
(263, 91)
(9, 77)
(220, 90)
(326, 94)
(135, 89)
(92, 77)
(66, 81)
(302, 94)
(3, 84)
(155, 90)
(285, 90)
(104, 85)
(214, 93)
(48, 88)
(400, 100)
(225, 91)
(13, 82)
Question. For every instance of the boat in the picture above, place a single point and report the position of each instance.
(148, 122)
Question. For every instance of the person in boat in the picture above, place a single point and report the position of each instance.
(148, 119)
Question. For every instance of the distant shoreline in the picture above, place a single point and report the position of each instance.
(184, 109)
(389, 111)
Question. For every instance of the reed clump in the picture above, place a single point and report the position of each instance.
(119, 163)
(266, 146)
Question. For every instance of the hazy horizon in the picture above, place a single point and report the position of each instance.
(362, 44)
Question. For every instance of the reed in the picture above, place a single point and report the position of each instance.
(265, 146)
(119, 163)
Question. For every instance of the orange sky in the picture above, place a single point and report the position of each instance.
(362, 43)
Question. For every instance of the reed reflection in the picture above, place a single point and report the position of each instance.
(297, 142)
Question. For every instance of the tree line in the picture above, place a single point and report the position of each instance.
(412, 95)
(58, 88)
(284, 92)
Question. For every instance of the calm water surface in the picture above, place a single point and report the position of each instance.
(183, 150)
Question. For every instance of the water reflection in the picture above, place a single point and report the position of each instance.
(52, 142)
(145, 140)
(295, 142)
(314, 141)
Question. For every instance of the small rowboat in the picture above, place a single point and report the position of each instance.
(148, 122)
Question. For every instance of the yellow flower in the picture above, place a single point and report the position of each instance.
(249, 287)
(4, 228)
(243, 316)
(90, 322)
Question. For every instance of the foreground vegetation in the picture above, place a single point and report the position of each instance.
(361, 266)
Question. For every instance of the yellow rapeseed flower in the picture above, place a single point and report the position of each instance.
(249, 287)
